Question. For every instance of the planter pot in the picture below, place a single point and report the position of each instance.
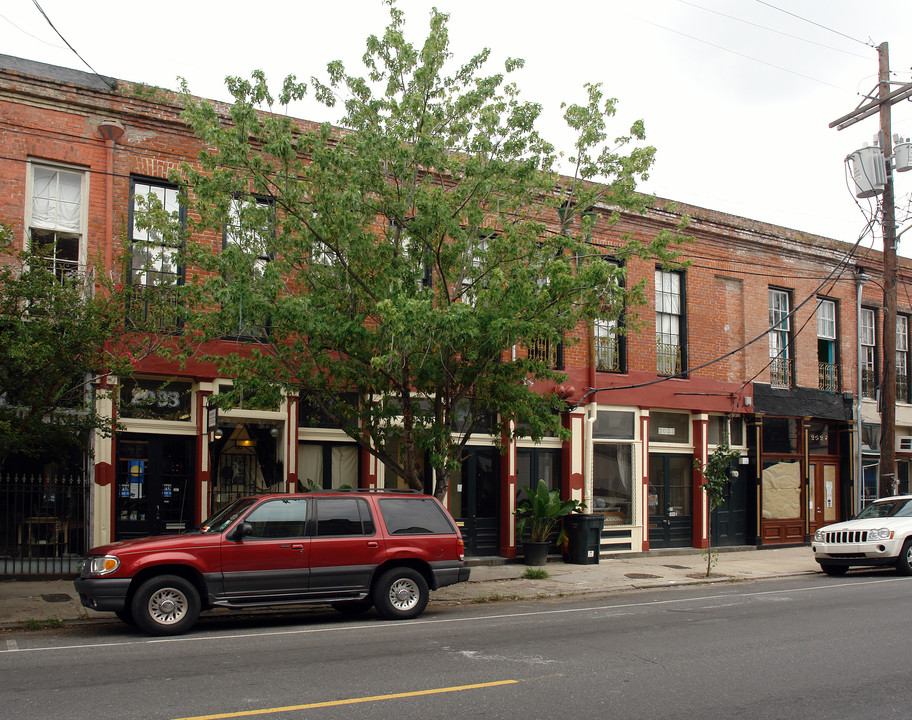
(535, 553)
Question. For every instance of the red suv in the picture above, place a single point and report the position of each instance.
(352, 550)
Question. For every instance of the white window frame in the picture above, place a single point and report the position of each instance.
(780, 323)
(161, 252)
(826, 319)
(81, 230)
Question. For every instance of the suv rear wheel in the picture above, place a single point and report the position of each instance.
(400, 594)
(165, 605)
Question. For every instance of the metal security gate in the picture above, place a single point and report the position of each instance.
(43, 524)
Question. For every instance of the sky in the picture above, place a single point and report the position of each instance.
(736, 95)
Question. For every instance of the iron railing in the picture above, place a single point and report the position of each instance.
(607, 354)
(781, 372)
(828, 377)
(868, 383)
(668, 358)
(43, 524)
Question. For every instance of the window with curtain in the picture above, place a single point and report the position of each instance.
(827, 369)
(56, 218)
(669, 323)
(867, 338)
(780, 330)
(902, 358)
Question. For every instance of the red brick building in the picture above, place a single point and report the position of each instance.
(699, 366)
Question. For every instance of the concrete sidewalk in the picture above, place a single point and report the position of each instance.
(44, 603)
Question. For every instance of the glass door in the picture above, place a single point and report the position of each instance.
(670, 500)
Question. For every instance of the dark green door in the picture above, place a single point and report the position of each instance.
(670, 500)
(475, 503)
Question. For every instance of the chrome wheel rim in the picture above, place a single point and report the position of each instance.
(168, 606)
(404, 594)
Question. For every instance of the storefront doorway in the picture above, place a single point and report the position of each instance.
(670, 500)
(475, 501)
(154, 494)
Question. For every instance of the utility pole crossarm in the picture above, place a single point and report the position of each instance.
(872, 108)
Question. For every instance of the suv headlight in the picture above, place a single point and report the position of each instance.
(101, 565)
(819, 536)
(880, 534)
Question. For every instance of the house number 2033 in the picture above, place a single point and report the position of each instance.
(160, 398)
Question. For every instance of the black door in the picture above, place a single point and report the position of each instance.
(475, 502)
(729, 520)
(153, 494)
(670, 501)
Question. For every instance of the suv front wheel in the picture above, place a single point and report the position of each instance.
(165, 605)
(400, 594)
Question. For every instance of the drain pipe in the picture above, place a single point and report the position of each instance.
(111, 131)
(860, 279)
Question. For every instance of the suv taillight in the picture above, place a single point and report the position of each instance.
(460, 549)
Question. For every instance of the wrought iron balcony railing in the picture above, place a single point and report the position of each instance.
(828, 377)
(607, 354)
(668, 358)
(781, 372)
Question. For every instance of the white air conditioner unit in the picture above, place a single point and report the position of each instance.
(868, 171)
(904, 443)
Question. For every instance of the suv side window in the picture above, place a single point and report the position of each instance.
(414, 517)
(279, 519)
(343, 516)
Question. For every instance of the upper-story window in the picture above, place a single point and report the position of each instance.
(56, 217)
(475, 257)
(902, 358)
(669, 323)
(779, 335)
(249, 230)
(827, 368)
(155, 253)
(608, 348)
(867, 336)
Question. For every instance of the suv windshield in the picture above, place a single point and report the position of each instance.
(892, 508)
(224, 517)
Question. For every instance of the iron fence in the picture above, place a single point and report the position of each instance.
(43, 524)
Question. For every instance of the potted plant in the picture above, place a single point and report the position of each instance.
(540, 513)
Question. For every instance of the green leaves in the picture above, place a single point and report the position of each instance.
(417, 249)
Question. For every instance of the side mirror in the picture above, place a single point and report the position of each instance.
(239, 532)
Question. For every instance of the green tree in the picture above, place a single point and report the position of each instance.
(408, 253)
(61, 335)
(716, 477)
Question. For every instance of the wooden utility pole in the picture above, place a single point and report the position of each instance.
(887, 469)
(885, 100)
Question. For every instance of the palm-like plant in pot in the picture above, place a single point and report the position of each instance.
(540, 513)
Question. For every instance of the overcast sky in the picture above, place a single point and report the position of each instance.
(736, 95)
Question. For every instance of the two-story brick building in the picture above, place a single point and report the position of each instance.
(755, 341)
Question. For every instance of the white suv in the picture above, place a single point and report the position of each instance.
(881, 534)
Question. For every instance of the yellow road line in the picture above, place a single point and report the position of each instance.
(351, 701)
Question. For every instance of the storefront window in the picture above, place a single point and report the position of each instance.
(328, 465)
(781, 488)
(153, 399)
(612, 482)
(666, 427)
(780, 437)
(823, 439)
(726, 429)
(614, 424)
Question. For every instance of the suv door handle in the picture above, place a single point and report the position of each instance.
(298, 547)
(373, 544)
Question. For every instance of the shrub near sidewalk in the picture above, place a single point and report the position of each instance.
(716, 478)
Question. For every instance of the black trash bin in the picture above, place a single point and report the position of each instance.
(584, 534)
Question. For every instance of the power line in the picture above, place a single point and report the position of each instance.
(823, 27)
(104, 79)
(739, 54)
(26, 32)
(772, 30)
